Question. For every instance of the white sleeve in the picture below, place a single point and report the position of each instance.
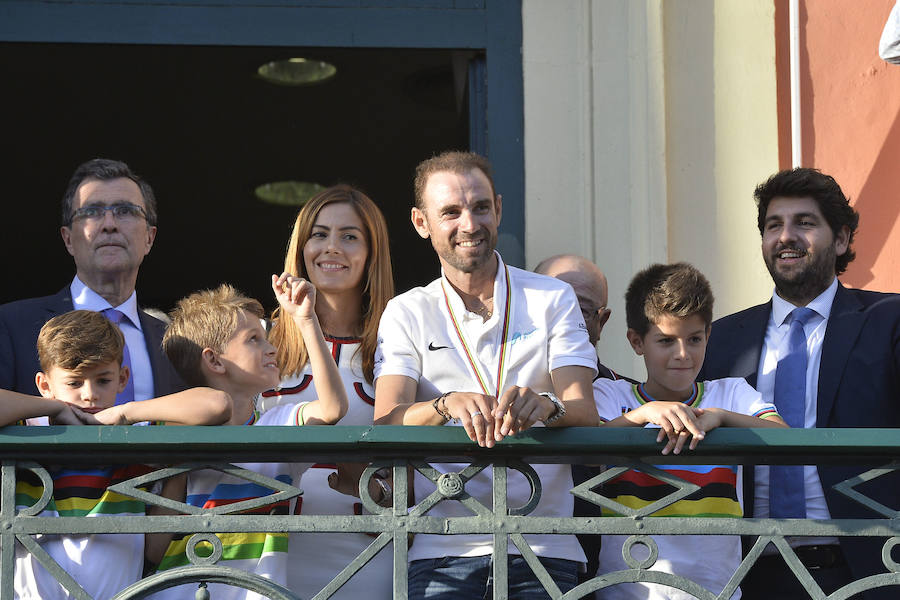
(567, 338)
(396, 354)
(283, 414)
(745, 400)
(606, 397)
(613, 398)
(889, 46)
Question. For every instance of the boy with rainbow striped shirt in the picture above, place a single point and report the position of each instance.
(669, 312)
(80, 355)
(216, 338)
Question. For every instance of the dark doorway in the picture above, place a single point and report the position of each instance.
(205, 130)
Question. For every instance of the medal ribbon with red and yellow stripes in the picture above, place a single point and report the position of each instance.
(504, 343)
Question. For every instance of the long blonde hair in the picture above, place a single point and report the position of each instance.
(379, 280)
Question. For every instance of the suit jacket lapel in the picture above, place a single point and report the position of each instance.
(748, 344)
(153, 331)
(844, 324)
(59, 303)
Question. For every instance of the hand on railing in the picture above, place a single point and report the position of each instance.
(677, 421)
(519, 409)
(346, 481)
(476, 414)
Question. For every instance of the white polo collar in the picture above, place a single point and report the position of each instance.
(456, 301)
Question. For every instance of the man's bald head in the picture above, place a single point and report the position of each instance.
(589, 284)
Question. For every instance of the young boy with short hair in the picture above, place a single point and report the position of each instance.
(80, 355)
(216, 338)
(668, 313)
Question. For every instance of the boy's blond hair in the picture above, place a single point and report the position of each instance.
(79, 340)
(205, 319)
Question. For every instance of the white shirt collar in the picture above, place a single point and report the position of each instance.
(84, 298)
(781, 308)
(499, 289)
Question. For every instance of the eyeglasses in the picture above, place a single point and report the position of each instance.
(123, 211)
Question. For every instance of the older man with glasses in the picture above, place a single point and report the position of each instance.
(108, 226)
(592, 291)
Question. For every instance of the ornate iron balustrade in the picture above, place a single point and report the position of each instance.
(396, 447)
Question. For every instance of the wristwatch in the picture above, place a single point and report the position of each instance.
(560, 408)
(387, 494)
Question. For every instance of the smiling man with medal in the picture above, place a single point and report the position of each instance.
(495, 350)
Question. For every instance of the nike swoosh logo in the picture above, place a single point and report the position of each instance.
(432, 347)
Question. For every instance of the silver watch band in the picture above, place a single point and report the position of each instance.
(560, 408)
(387, 494)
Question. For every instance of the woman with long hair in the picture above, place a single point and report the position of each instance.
(340, 244)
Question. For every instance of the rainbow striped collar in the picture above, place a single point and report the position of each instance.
(693, 400)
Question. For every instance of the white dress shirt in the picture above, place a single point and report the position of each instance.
(778, 327)
(889, 45)
(84, 298)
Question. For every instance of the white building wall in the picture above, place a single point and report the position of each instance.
(647, 124)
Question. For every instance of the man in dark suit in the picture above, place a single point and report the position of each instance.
(851, 366)
(108, 226)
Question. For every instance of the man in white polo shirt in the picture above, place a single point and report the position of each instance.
(496, 350)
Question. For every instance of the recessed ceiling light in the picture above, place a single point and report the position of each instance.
(297, 71)
(288, 193)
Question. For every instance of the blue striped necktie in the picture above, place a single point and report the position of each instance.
(126, 395)
(787, 497)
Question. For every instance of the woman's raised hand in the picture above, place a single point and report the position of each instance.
(295, 295)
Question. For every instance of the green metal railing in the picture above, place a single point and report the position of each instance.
(397, 447)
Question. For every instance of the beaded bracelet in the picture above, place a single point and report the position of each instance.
(442, 400)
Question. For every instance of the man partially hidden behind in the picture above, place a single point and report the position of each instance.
(827, 356)
(108, 226)
(495, 349)
(592, 290)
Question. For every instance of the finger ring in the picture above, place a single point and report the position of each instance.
(476, 414)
